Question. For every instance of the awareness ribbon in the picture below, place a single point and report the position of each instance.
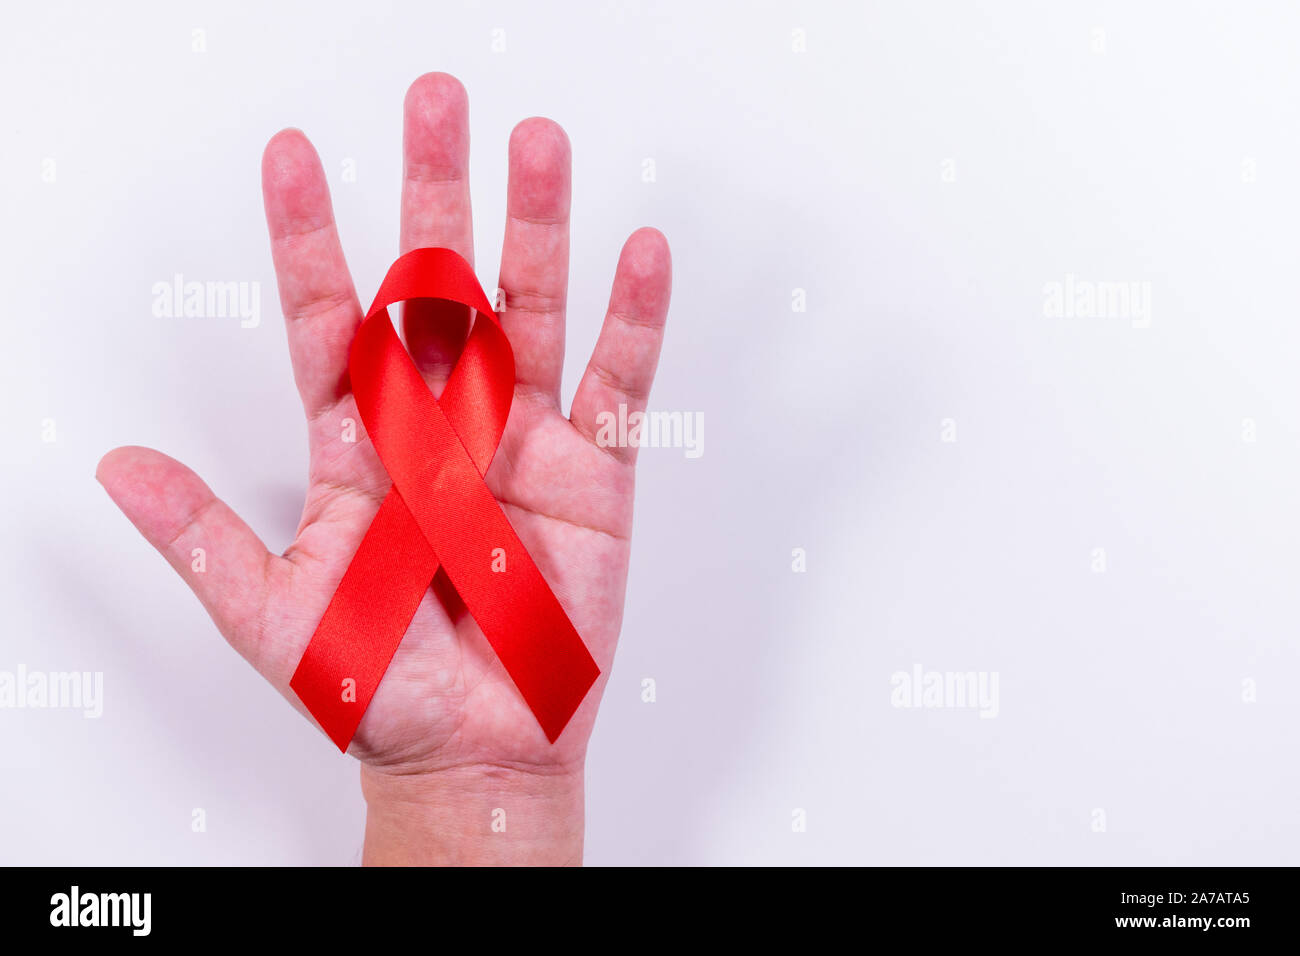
(438, 512)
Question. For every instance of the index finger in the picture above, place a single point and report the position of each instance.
(320, 305)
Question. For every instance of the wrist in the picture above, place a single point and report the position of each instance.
(473, 816)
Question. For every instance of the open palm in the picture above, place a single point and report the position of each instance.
(445, 701)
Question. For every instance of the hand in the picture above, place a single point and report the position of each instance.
(447, 739)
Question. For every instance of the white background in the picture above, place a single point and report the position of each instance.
(1161, 150)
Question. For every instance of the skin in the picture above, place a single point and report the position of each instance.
(447, 740)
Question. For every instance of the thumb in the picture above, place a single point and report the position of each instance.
(221, 559)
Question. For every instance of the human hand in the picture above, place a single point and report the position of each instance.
(447, 738)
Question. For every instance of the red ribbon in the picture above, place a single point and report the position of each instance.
(438, 511)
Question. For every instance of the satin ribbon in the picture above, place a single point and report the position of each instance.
(438, 512)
